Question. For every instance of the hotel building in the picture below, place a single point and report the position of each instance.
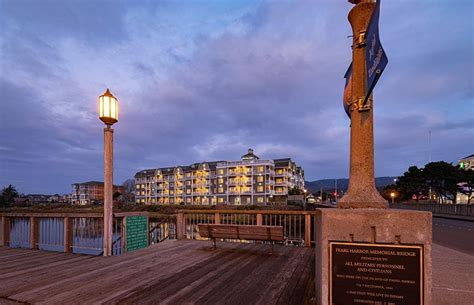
(245, 182)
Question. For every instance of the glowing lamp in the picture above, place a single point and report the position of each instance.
(108, 108)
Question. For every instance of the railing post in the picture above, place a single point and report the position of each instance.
(5, 231)
(68, 234)
(34, 234)
(217, 218)
(307, 230)
(124, 234)
(259, 219)
(180, 225)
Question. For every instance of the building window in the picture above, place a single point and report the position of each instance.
(260, 168)
(260, 188)
(188, 200)
(260, 178)
(188, 175)
(220, 200)
(220, 172)
(260, 199)
(221, 180)
(188, 191)
(221, 190)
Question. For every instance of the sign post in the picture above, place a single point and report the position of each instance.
(362, 192)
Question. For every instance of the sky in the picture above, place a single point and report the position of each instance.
(206, 80)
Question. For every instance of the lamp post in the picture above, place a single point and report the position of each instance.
(392, 195)
(304, 202)
(108, 113)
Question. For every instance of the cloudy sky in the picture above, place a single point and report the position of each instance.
(206, 80)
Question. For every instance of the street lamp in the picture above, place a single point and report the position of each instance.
(108, 113)
(392, 195)
(304, 202)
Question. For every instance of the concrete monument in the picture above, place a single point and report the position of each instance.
(365, 252)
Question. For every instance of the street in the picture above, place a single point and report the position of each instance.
(454, 234)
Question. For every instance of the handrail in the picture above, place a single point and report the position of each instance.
(166, 220)
(266, 212)
(54, 214)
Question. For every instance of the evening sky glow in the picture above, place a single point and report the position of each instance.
(205, 80)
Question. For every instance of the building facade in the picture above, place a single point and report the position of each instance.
(90, 192)
(467, 162)
(245, 182)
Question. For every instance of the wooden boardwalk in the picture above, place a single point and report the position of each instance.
(172, 272)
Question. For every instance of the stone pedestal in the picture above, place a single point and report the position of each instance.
(371, 226)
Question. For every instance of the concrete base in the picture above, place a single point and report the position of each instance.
(370, 226)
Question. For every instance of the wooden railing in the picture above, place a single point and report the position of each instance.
(83, 232)
(65, 232)
(437, 208)
(298, 226)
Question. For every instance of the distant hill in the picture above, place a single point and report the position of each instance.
(342, 184)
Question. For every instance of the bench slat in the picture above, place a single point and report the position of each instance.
(248, 232)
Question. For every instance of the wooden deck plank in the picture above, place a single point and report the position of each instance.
(209, 282)
(141, 273)
(278, 284)
(163, 275)
(288, 293)
(77, 277)
(67, 262)
(35, 261)
(28, 256)
(47, 276)
(246, 277)
(172, 272)
(144, 282)
(159, 290)
(261, 277)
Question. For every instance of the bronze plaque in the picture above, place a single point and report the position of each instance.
(377, 274)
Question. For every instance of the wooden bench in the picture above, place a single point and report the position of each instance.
(242, 232)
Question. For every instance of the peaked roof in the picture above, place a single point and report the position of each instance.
(250, 155)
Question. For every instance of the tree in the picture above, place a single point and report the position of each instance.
(8, 195)
(412, 182)
(129, 186)
(388, 190)
(443, 179)
(295, 191)
(440, 178)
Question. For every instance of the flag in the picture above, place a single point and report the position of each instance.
(348, 91)
(375, 57)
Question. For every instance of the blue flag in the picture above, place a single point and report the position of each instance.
(375, 57)
(348, 91)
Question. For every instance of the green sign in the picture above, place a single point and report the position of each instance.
(136, 232)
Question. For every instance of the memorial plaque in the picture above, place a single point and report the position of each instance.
(137, 232)
(377, 274)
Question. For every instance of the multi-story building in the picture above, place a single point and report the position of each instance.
(467, 162)
(90, 192)
(245, 182)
